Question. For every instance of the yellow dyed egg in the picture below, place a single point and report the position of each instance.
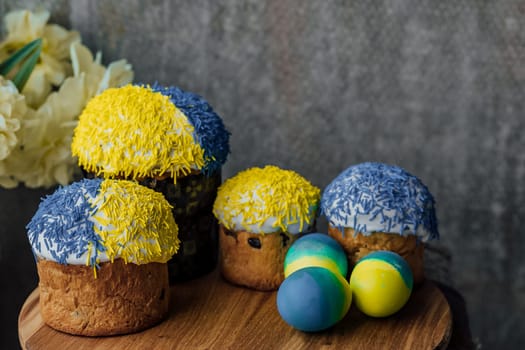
(381, 283)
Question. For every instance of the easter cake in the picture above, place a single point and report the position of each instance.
(375, 206)
(169, 140)
(101, 248)
(261, 212)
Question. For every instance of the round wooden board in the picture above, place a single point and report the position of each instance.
(209, 313)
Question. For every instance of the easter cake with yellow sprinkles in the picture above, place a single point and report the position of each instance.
(101, 248)
(140, 131)
(261, 212)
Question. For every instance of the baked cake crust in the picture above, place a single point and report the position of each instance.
(358, 246)
(258, 268)
(124, 298)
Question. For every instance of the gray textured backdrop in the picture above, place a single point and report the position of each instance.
(436, 87)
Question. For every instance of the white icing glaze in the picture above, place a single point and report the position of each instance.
(72, 259)
(269, 225)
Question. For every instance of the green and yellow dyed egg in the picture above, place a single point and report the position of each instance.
(381, 283)
(313, 298)
(316, 249)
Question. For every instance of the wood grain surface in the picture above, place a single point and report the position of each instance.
(209, 313)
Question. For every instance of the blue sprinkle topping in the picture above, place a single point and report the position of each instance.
(210, 131)
(382, 193)
(62, 219)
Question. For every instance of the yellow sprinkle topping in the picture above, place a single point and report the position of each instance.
(134, 132)
(135, 223)
(260, 195)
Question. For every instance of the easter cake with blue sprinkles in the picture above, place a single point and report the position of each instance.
(143, 131)
(261, 212)
(375, 206)
(101, 248)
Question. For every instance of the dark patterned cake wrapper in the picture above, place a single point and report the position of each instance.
(192, 198)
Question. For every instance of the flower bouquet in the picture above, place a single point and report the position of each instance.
(46, 78)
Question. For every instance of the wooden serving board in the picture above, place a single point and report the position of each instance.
(209, 313)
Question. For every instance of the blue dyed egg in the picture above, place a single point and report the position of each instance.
(313, 298)
(381, 283)
(316, 249)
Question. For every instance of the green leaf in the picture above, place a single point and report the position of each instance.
(21, 77)
(30, 53)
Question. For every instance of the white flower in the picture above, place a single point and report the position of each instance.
(46, 137)
(43, 157)
(12, 111)
(54, 63)
(36, 127)
(98, 78)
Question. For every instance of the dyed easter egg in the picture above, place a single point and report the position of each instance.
(316, 249)
(313, 298)
(381, 283)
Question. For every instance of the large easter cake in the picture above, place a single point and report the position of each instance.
(101, 248)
